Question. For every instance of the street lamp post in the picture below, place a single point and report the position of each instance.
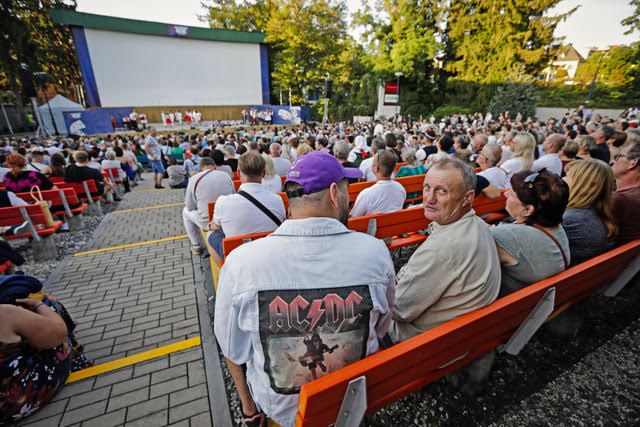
(398, 74)
(325, 116)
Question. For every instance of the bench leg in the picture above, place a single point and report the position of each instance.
(531, 324)
(76, 223)
(44, 249)
(95, 209)
(354, 403)
(624, 278)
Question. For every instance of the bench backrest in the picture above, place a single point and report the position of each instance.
(54, 196)
(407, 366)
(12, 216)
(56, 179)
(80, 190)
(411, 184)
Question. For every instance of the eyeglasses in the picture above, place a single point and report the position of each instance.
(618, 157)
(531, 179)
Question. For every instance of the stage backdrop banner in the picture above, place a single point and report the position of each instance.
(285, 115)
(91, 122)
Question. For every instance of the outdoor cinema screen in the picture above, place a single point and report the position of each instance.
(148, 70)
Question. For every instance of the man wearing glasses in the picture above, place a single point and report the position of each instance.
(626, 198)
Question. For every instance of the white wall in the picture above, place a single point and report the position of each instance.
(142, 70)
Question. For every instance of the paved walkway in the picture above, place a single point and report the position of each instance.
(127, 301)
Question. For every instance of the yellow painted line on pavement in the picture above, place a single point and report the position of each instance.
(130, 245)
(144, 208)
(133, 359)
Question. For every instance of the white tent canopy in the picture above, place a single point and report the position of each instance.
(59, 104)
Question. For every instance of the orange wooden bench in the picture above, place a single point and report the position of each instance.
(64, 201)
(411, 184)
(398, 166)
(113, 175)
(346, 395)
(87, 191)
(44, 247)
(56, 179)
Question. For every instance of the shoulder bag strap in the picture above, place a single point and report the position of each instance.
(260, 206)
(195, 186)
(564, 257)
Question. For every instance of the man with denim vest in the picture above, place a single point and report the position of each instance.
(288, 309)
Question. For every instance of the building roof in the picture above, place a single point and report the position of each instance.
(110, 23)
(570, 54)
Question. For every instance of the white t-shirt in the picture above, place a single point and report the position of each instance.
(273, 184)
(114, 164)
(282, 165)
(496, 177)
(382, 197)
(550, 161)
(210, 187)
(238, 216)
(512, 167)
(365, 167)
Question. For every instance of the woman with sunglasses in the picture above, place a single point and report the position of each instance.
(535, 246)
(588, 220)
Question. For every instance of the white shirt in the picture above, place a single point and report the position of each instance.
(382, 197)
(282, 165)
(305, 270)
(496, 177)
(113, 164)
(512, 166)
(365, 167)
(15, 200)
(550, 161)
(378, 130)
(3, 172)
(273, 184)
(238, 216)
(212, 185)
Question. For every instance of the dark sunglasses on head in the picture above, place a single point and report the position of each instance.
(618, 157)
(531, 179)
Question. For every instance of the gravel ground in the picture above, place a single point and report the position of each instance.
(66, 242)
(590, 379)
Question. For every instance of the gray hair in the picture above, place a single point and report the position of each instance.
(275, 149)
(469, 179)
(110, 155)
(229, 150)
(341, 150)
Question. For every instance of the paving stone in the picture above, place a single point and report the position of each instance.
(185, 356)
(53, 421)
(114, 377)
(187, 410)
(88, 397)
(167, 387)
(117, 332)
(110, 419)
(187, 395)
(157, 339)
(168, 373)
(202, 420)
(75, 388)
(196, 373)
(130, 337)
(130, 385)
(51, 410)
(128, 399)
(151, 367)
(149, 407)
(84, 413)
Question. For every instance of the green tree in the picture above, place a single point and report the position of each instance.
(490, 39)
(633, 21)
(615, 67)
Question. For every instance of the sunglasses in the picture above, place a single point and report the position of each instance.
(531, 179)
(618, 157)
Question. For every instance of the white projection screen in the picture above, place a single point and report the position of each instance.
(146, 70)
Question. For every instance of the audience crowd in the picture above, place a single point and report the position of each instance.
(313, 296)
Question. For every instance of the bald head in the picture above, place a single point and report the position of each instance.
(554, 143)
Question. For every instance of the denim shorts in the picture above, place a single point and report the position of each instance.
(215, 241)
(157, 166)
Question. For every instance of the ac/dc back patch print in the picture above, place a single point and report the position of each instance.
(308, 333)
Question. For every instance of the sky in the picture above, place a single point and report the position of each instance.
(595, 24)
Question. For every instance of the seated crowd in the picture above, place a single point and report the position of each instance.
(332, 296)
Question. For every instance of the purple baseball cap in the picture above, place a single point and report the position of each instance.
(317, 170)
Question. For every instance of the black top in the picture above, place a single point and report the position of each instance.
(74, 173)
(601, 152)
